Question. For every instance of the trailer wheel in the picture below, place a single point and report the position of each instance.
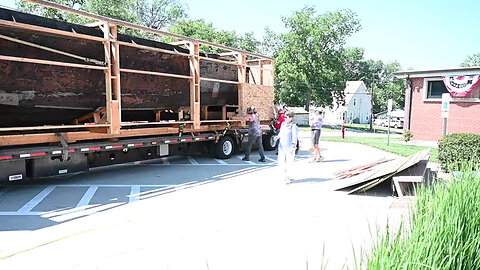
(224, 148)
(269, 143)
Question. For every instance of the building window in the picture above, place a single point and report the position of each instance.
(354, 102)
(435, 89)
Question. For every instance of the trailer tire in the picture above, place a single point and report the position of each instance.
(224, 148)
(269, 143)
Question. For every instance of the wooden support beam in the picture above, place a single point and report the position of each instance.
(133, 45)
(51, 127)
(96, 115)
(195, 84)
(108, 78)
(48, 62)
(156, 73)
(242, 78)
(224, 112)
(217, 80)
(86, 59)
(218, 61)
(260, 64)
(49, 30)
(180, 43)
(115, 78)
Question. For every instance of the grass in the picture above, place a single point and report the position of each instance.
(381, 143)
(444, 231)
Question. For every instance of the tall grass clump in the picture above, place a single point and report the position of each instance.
(444, 232)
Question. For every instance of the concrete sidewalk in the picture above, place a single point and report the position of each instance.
(249, 221)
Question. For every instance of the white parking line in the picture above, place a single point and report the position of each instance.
(271, 159)
(192, 161)
(36, 200)
(249, 162)
(221, 161)
(85, 200)
(134, 194)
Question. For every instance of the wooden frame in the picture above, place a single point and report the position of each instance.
(113, 126)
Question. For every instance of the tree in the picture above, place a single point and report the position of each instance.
(309, 61)
(200, 29)
(159, 14)
(471, 61)
(156, 14)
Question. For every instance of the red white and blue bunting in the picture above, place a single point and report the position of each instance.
(461, 86)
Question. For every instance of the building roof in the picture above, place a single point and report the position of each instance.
(352, 88)
(461, 71)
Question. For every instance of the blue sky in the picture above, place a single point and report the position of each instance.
(422, 34)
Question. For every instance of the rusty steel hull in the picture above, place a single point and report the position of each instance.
(39, 94)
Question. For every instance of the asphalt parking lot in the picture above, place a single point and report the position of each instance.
(195, 213)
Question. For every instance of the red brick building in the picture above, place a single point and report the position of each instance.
(423, 101)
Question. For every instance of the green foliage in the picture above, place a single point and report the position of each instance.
(200, 29)
(471, 61)
(444, 231)
(407, 135)
(309, 58)
(456, 150)
(151, 13)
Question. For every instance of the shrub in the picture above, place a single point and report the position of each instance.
(407, 135)
(457, 149)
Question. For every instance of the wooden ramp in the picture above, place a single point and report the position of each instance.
(402, 171)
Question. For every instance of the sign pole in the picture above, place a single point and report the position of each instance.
(445, 110)
(389, 109)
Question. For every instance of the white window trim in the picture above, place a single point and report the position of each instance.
(425, 88)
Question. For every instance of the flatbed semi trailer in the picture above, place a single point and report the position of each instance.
(159, 99)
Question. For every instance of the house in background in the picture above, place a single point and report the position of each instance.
(357, 108)
(423, 99)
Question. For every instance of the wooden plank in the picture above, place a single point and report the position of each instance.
(224, 112)
(241, 58)
(86, 59)
(143, 47)
(155, 73)
(108, 77)
(115, 80)
(218, 80)
(48, 62)
(51, 127)
(218, 61)
(131, 124)
(49, 30)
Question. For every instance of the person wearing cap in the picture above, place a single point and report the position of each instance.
(287, 145)
(254, 134)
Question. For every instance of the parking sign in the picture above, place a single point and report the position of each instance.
(445, 104)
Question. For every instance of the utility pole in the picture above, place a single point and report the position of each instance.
(371, 107)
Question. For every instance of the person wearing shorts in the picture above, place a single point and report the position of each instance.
(316, 125)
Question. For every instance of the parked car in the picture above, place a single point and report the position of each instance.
(382, 120)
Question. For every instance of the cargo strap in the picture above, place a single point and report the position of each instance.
(180, 130)
(64, 146)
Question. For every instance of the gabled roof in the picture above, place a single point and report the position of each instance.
(462, 71)
(351, 88)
